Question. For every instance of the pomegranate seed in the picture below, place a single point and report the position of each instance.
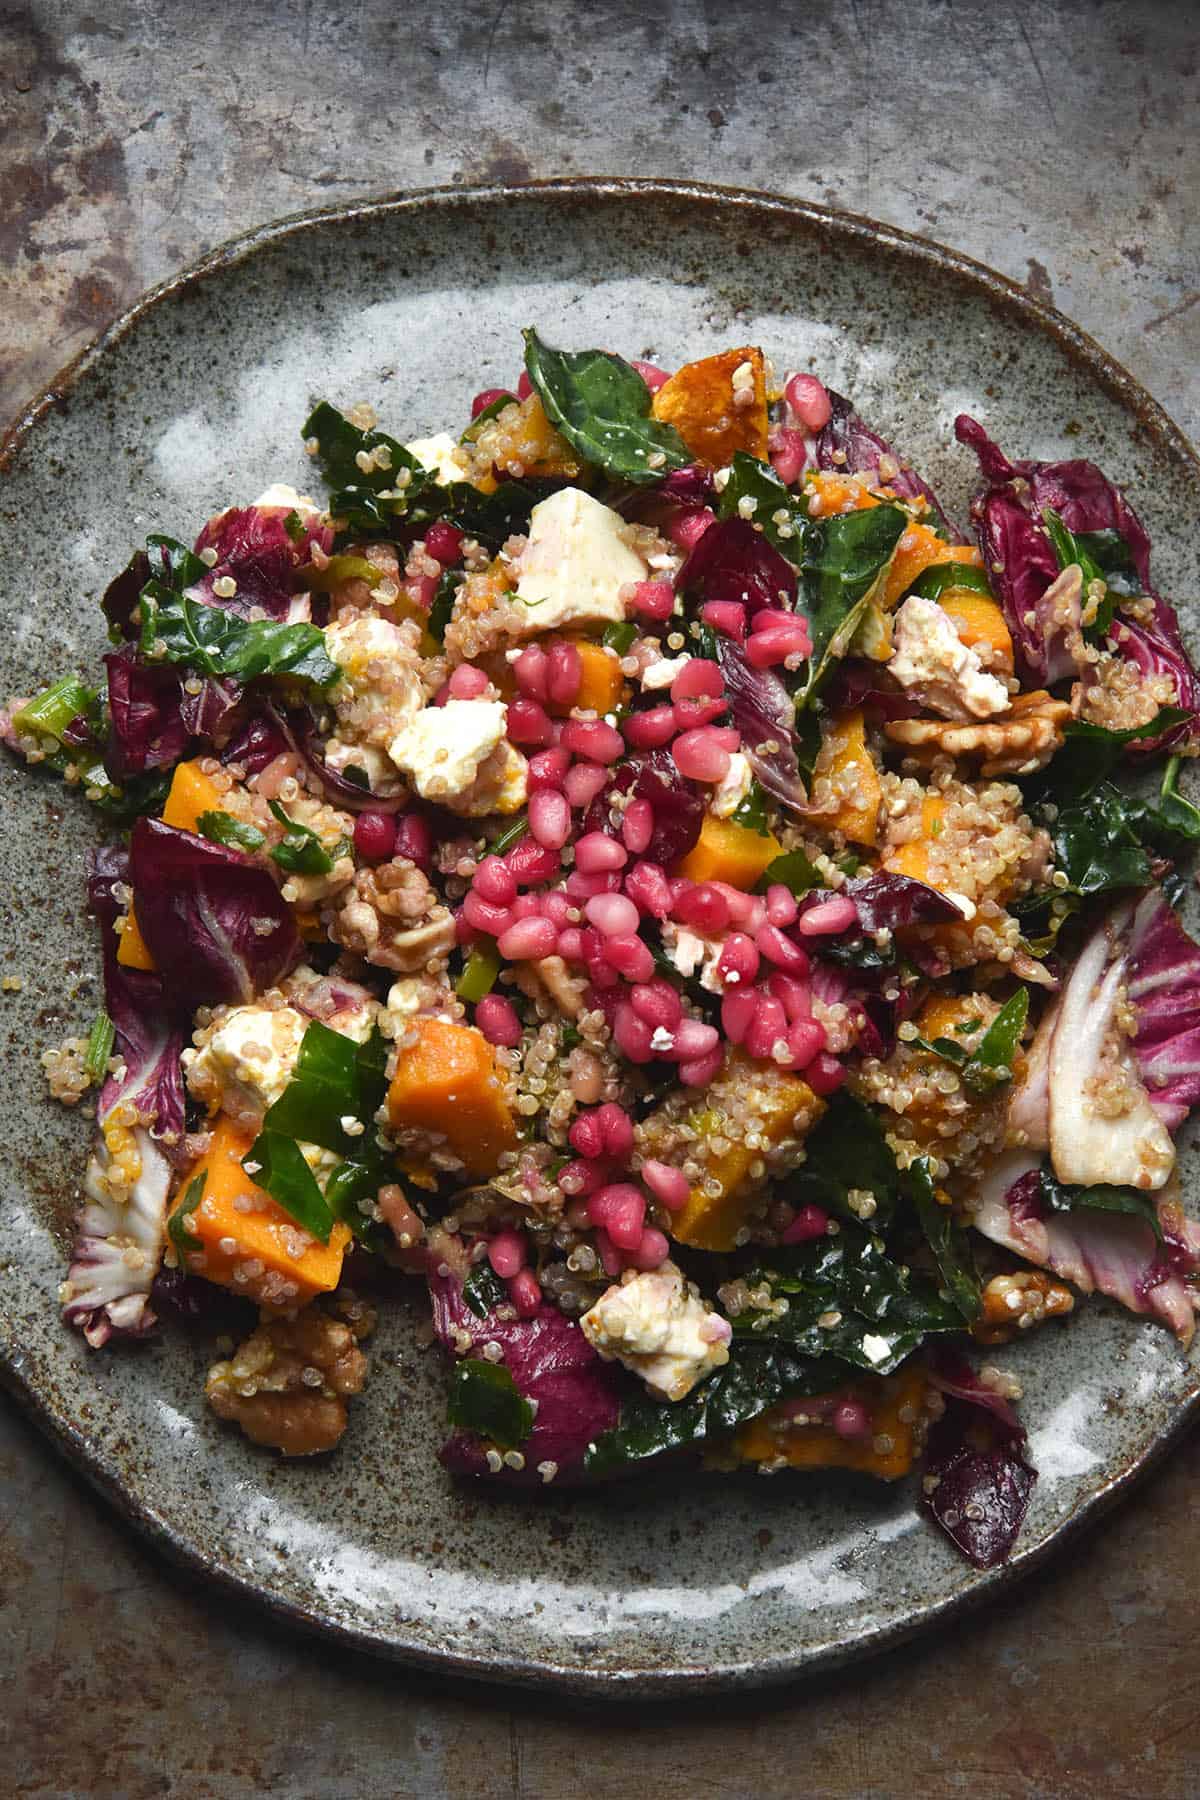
(694, 1038)
(828, 917)
(737, 1011)
(464, 931)
(531, 862)
(421, 589)
(702, 1070)
(698, 676)
(824, 1074)
(631, 1034)
(564, 674)
(414, 841)
(496, 1017)
(585, 1176)
(493, 881)
(375, 836)
(703, 906)
(746, 911)
(806, 1039)
(526, 906)
(529, 671)
(649, 889)
(810, 1222)
(780, 950)
(658, 1004)
(570, 943)
(738, 961)
(669, 1186)
(508, 1253)
(630, 957)
(528, 722)
(765, 649)
(637, 827)
(652, 1250)
(620, 1210)
(482, 915)
(488, 397)
(582, 783)
(687, 528)
(700, 755)
(466, 683)
(549, 818)
(851, 1419)
(596, 853)
(557, 906)
(444, 543)
(696, 711)
(726, 616)
(547, 768)
(524, 386)
(781, 905)
(609, 1255)
(586, 887)
(653, 377)
(594, 739)
(809, 401)
(793, 992)
(525, 1294)
(788, 453)
(651, 729)
(613, 914)
(528, 940)
(587, 1134)
(767, 1028)
(653, 599)
(616, 1129)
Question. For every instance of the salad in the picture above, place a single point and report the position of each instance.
(645, 870)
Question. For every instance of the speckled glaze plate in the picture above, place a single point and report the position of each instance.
(193, 400)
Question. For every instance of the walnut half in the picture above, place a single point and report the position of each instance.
(1017, 744)
(286, 1385)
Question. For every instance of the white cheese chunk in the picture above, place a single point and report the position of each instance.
(249, 1058)
(733, 786)
(442, 747)
(662, 673)
(660, 1329)
(946, 674)
(575, 563)
(693, 954)
(280, 494)
(441, 456)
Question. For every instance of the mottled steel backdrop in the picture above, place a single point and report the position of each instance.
(1058, 142)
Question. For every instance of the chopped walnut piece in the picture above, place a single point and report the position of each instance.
(286, 1385)
(392, 917)
(1019, 1301)
(1017, 744)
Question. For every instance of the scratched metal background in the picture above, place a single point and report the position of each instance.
(1059, 142)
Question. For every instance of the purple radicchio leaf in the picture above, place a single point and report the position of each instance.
(119, 602)
(148, 727)
(732, 561)
(200, 1304)
(1164, 990)
(552, 1363)
(676, 802)
(848, 446)
(254, 549)
(213, 919)
(261, 739)
(761, 708)
(690, 487)
(886, 902)
(977, 1482)
(857, 682)
(1008, 514)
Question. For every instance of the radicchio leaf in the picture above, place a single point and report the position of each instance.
(689, 487)
(258, 743)
(677, 804)
(761, 709)
(978, 1483)
(148, 727)
(887, 902)
(732, 561)
(552, 1363)
(213, 919)
(255, 549)
(1164, 989)
(848, 446)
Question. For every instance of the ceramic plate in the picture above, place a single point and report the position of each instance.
(195, 400)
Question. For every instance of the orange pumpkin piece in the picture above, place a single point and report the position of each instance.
(830, 494)
(726, 851)
(718, 406)
(243, 1239)
(446, 1083)
(980, 624)
(602, 685)
(846, 762)
(894, 1404)
(918, 547)
(912, 859)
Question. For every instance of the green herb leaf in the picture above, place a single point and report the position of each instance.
(512, 834)
(794, 870)
(601, 406)
(334, 1079)
(215, 642)
(1061, 1197)
(750, 479)
(49, 713)
(990, 1064)
(485, 1399)
(184, 1240)
(340, 444)
(276, 1163)
(223, 828)
(445, 594)
(479, 975)
(1095, 845)
(845, 1152)
(301, 852)
(100, 1043)
(619, 637)
(940, 578)
(751, 812)
(483, 1290)
(948, 1241)
(843, 560)
(1090, 753)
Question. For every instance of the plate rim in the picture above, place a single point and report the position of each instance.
(609, 1683)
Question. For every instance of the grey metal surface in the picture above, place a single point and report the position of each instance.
(124, 1680)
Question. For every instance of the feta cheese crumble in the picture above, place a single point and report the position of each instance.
(930, 657)
(575, 563)
(657, 1326)
(442, 747)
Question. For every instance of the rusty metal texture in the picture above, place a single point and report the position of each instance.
(1057, 142)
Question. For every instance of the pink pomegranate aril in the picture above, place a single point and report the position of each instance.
(619, 1209)
(809, 1223)
(703, 755)
(414, 840)
(727, 617)
(780, 950)
(658, 1004)
(630, 957)
(702, 1069)
(525, 1294)
(524, 386)
(570, 943)
(586, 1136)
(581, 887)
(652, 1251)
(525, 906)
(698, 676)
(613, 914)
(653, 599)
(467, 683)
(737, 1011)
(669, 1186)
(824, 1074)
(564, 673)
(806, 1039)
(651, 729)
(464, 931)
(508, 1253)
(528, 940)
(547, 768)
(616, 1128)
(781, 905)
(532, 863)
(851, 1419)
(549, 818)
(694, 1038)
(649, 889)
(637, 827)
(788, 453)
(375, 836)
(557, 906)
(528, 722)
(483, 915)
(703, 906)
(611, 1259)
(444, 543)
(631, 1034)
(687, 528)
(494, 881)
(584, 1176)
(809, 401)
(828, 917)
(767, 1028)
(766, 649)
(594, 739)
(793, 992)
(739, 960)
(421, 590)
(697, 710)
(488, 397)
(653, 377)
(598, 854)
(496, 1017)
(529, 671)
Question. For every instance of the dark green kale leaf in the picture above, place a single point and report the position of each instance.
(601, 406)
